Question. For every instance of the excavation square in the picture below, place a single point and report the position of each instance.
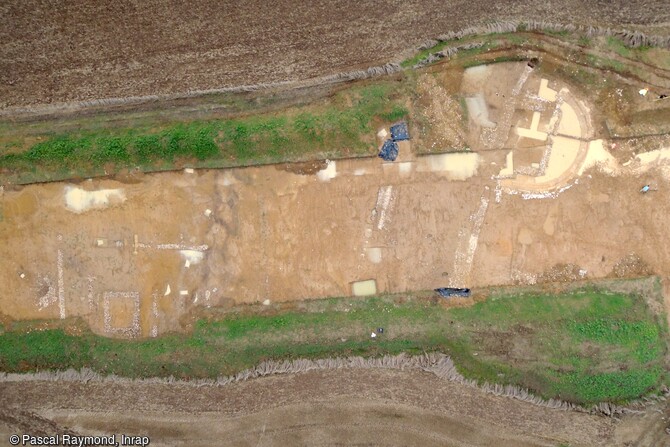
(121, 312)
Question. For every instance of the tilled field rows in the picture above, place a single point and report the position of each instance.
(77, 51)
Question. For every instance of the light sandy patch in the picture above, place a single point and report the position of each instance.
(330, 172)
(374, 255)
(227, 178)
(599, 157)
(564, 152)
(545, 92)
(569, 123)
(459, 166)
(479, 111)
(648, 160)
(508, 170)
(405, 168)
(532, 132)
(364, 288)
(475, 77)
(78, 200)
(654, 157)
(192, 256)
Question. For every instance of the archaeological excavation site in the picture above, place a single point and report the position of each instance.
(429, 227)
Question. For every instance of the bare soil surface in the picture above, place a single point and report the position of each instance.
(138, 256)
(77, 51)
(351, 407)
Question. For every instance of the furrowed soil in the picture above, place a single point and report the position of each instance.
(351, 407)
(77, 51)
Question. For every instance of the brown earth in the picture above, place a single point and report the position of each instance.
(76, 50)
(343, 407)
(167, 245)
(293, 232)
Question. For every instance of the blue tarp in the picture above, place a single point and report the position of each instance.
(399, 132)
(389, 151)
(447, 292)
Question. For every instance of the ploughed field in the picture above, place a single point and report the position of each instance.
(54, 52)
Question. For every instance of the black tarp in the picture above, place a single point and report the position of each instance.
(447, 292)
(389, 151)
(399, 132)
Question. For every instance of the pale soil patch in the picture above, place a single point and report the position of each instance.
(459, 166)
(646, 161)
(405, 168)
(374, 255)
(545, 92)
(192, 256)
(656, 156)
(329, 173)
(569, 123)
(364, 288)
(508, 170)
(479, 111)
(79, 200)
(598, 156)
(532, 132)
(564, 152)
(474, 77)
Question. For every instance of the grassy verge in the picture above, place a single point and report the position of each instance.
(585, 346)
(489, 42)
(341, 126)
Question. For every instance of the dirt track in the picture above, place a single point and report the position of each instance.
(77, 50)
